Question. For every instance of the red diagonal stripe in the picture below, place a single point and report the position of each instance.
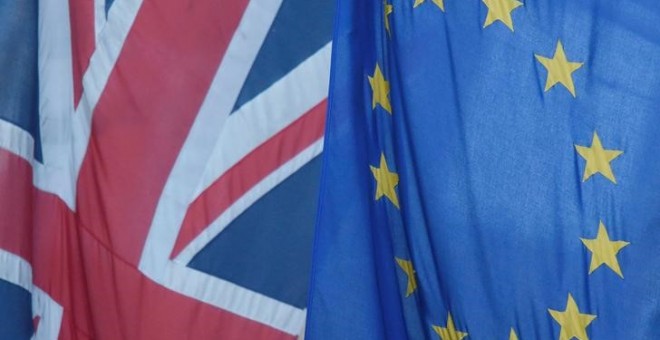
(35, 323)
(249, 171)
(81, 16)
(16, 208)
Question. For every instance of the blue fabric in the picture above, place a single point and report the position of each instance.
(108, 4)
(19, 90)
(15, 312)
(277, 253)
(493, 205)
(299, 30)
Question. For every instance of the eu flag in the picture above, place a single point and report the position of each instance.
(491, 171)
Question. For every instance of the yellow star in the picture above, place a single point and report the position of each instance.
(501, 10)
(385, 181)
(604, 251)
(449, 332)
(598, 159)
(513, 335)
(560, 70)
(407, 268)
(439, 3)
(381, 90)
(573, 323)
(388, 10)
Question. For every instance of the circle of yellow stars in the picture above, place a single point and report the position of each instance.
(559, 70)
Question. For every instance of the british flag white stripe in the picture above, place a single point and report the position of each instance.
(16, 270)
(234, 298)
(50, 314)
(55, 100)
(99, 16)
(16, 140)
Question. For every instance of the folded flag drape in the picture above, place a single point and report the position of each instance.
(491, 171)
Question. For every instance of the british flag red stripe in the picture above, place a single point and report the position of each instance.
(81, 16)
(17, 211)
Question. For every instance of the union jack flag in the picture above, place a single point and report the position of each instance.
(158, 166)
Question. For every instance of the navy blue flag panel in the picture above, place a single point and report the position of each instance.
(491, 171)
